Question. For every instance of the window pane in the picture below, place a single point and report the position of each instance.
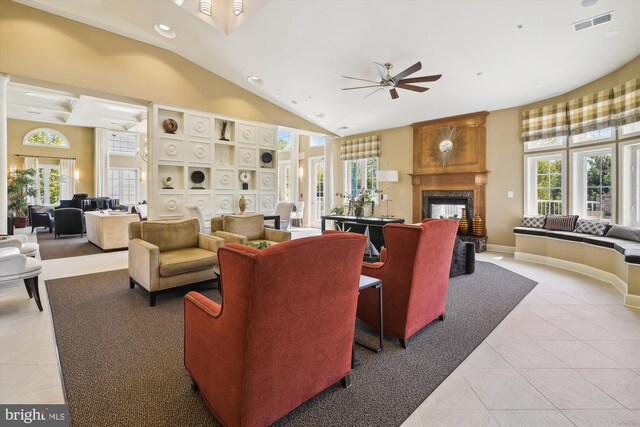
(285, 140)
(54, 186)
(317, 140)
(123, 143)
(548, 186)
(598, 189)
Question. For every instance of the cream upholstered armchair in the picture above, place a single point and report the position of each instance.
(168, 254)
(246, 228)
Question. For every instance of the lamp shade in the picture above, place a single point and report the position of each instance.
(387, 176)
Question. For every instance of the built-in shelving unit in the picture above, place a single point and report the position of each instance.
(216, 148)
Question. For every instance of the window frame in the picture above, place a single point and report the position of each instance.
(578, 179)
(531, 181)
(347, 182)
(25, 140)
(312, 138)
(45, 198)
(629, 175)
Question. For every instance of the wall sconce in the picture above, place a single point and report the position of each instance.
(237, 7)
(76, 175)
(143, 176)
(301, 172)
(205, 7)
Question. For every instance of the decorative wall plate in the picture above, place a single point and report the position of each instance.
(197, 177)
(170, 126)
(267, 157)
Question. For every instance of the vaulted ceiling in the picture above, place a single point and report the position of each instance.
(493, 54)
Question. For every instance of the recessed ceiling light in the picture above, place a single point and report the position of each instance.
(34, 111)
(612, 33)
(588, 3)
(255, 80)
(539, 85)
(178, 2)
(29, 93)
(164, 30)
(519, 26)
(480, 74)
(318, 114)
(294, 102)
(343, 127)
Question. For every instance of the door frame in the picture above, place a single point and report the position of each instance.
(311, 187)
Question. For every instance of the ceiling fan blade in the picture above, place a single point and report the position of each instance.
(394, 94)
(415, 67)
(377, 90)
(356, 78)
(422, 79)
(411, 87)
(360, 87)
(382, 71)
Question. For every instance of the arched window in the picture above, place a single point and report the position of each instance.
(44, 137)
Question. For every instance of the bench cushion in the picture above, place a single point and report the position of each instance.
(567, 235)
(607, 242)
(530, 231)
(188, 260)
(632, 256)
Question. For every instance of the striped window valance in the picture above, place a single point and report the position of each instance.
(360, 148)
(626, 102)
(591, 112)
(545, 122)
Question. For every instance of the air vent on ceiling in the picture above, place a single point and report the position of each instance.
(593, 22)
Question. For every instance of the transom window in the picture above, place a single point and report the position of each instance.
(318, 141)
(123, 143)
(44, 137)
(285, 140)
(600, 135)
(545, 144)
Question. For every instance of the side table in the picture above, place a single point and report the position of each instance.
(370, 282)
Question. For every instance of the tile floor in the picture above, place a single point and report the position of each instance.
(568, 354)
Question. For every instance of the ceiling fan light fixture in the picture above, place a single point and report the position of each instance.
(238, 7)
(205, 7)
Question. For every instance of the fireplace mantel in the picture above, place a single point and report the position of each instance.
(467, 168)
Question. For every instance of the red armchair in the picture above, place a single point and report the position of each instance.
(415, 275)
(284, 331)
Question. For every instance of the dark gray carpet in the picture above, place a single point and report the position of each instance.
(64, 246)
(122, 361)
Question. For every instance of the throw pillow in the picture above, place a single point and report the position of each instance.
(536, 221)
(597, 228)
(561, 222)
(626, 233)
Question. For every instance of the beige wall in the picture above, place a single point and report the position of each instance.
(396, 153)
(81, 140)
(505, 159)
(38, 45)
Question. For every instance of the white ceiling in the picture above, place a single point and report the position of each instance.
(300, 49)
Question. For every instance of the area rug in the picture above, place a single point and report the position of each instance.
(122, 361)
(64, 246)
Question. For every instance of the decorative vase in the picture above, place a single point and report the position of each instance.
(478, 225)
(358, 211)
(170, 126)
(463, 226)
(242, 204)
(20, 222)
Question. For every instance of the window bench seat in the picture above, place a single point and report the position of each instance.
(616, 261)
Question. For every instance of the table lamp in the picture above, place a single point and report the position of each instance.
(387, 176)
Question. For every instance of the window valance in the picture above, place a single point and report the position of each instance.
(360, 148)
(611, 107)
(591, 112)
(545, 122)
(626, 102)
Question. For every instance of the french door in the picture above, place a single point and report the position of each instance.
(316, 190)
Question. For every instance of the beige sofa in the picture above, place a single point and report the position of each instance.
(168, 254)
(109, 231)
(246, 228)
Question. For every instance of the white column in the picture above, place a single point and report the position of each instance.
(328, 175)
(4, 157)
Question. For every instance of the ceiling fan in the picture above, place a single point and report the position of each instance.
(396, 82)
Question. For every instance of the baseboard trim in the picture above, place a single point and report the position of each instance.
(605, 276)
(501, 248)
(632, 301)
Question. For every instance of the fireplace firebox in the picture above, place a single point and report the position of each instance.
(447, 203)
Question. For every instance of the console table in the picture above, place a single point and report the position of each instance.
(359, 223)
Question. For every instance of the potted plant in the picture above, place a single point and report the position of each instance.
(358, 201)
(21, 183)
